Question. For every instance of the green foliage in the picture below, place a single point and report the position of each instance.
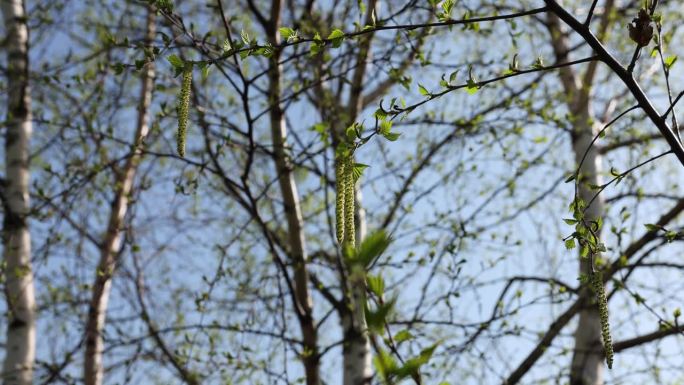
(376, 284)
(670, 61)
(471, 84)
(372, 247)
(423, 91)
(538, 63)
(391, 371)
(570, 243)
(376, 318)
(357, 170)
(669, 235)
(177, 63)
(316, 45)
(244, 35)
(336, 38)
(385, 125)
(288, 34)
(403, 336)
(163, 5)
(353, 132)
(445, 14)
(653, 228)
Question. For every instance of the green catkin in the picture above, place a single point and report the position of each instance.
(349, 230)
(340, 180)
(602, 301)
(183, 109)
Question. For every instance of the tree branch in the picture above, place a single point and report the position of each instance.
(646, 338)
(626, 77)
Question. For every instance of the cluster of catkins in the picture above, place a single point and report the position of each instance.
(602, 302)
(183, 109)
(344, 204)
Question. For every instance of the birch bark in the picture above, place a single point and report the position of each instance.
(19, 285)
(93, 368)
(587, 361)
(296, 239)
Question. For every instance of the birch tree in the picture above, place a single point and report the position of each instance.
(18, 274)
(110, 245)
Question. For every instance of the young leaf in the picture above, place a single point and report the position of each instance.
(539, 63)
(227, 45)
(336, 37)
(452, 76)
(380, 114)
(447, 6)
(385, 364)
(570, 244)
(205, 72)
(392, 136)
(245, 37)
(412, 365)
(423, 91)
(471, 84)
(372, 246)
(376, 285)
(670, 61)
(403, 335)
(351, 133)
(385, 127)
(652, 227)
(584, 251)
(376, 318)
(286, 32)
(358, 170)
(671, 235)
(176, 62)
(316, 45)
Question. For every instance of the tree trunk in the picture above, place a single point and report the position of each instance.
(357, 357)
(587, 360)
(19, 291)
(93, 370)
(358, 369)
(293, 213)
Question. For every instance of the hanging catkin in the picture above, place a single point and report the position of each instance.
(349, 230)
(340, 180)
(183, 109)
(602, 301)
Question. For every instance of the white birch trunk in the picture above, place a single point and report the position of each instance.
(587, 360)
(19, 290)
(93, 369)
(358, 369)
(296, 239)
